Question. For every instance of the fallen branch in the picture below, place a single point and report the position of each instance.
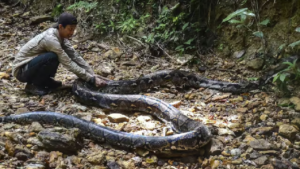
(140, 42)
(164, 51)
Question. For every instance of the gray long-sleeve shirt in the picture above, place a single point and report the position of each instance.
(49, 41)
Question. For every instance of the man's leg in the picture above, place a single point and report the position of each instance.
(38, 73)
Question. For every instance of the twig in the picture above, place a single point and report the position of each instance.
(136, 40)
(164, 51)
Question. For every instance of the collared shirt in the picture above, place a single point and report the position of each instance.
(50, 41)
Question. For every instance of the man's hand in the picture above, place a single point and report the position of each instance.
(100, 82)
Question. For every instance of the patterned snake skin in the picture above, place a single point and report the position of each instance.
(193, 134)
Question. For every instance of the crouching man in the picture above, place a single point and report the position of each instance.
(37, 61)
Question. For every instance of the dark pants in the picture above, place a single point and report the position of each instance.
(40, 70)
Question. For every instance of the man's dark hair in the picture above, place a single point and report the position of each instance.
(66, 19)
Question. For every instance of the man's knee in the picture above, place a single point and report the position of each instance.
(52, 57)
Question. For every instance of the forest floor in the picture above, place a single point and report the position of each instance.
(250, 130)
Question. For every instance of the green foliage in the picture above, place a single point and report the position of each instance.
(284, 77)
(57, 10)
(83, 5)
(239, 17)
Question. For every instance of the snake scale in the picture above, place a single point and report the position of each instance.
(121, 95)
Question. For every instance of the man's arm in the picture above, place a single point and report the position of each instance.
(76, 57)
(54, 46)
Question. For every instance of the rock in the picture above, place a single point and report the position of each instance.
(4, 75)
(58, 142)
(255, 63)
(36, 127)
(241, 110)
(284, 102)
(117, 118)
(35, 141)
(137, 160)
(184, 59)
(288, 131)
(34, 166)
(215, 164)
(127, 164)
(255, 155)
(113, 53)
(263, 117)
(296, 102)
(22, 110)
(225, 132)
(151, 160)
(104, 69)
(238, 54)
(216, 147)
(260, 144)
(149, 125)
(97, 157)
(296, 122)
(176, 104)
(236, 152)
(269, 166)
(40, 19)
(145, 118)
(113, 165)
(261, 160)
(237, 161)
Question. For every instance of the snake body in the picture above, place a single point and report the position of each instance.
(121, 95)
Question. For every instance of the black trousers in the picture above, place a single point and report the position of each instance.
(40, 70)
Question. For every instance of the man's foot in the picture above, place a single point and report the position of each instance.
(53, 84)
(36, 90)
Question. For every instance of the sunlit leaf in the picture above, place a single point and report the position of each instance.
(283, 76)
(184, 26)
(297, 29)
(236, 13)
(282, 46)
(258, 34)
(292, 45)
(234, 21)
(265, 22)
(249, 13)
(189, 41)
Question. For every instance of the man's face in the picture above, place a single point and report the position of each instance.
(66, 32)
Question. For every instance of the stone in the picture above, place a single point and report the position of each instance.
(97, 157)
(104, 69)
(261, 160)
(263, 117)
(260, 144)
(283, 102)
(117, 118)
(296, 102)
(238, 54)
(256, 63)
(236, 152)
(113, 165)
(34, 166)
(22, 110)
(241, 110)
(288, 131)
(296, 122)
(216, 147)
(36, 127)
(225, 132)
(55, 141)
(40, 19)
(269, 166)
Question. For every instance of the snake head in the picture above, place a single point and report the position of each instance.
(204, 135)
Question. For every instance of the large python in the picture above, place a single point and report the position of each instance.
(192, 133)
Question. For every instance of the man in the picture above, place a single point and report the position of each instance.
(38, 60)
